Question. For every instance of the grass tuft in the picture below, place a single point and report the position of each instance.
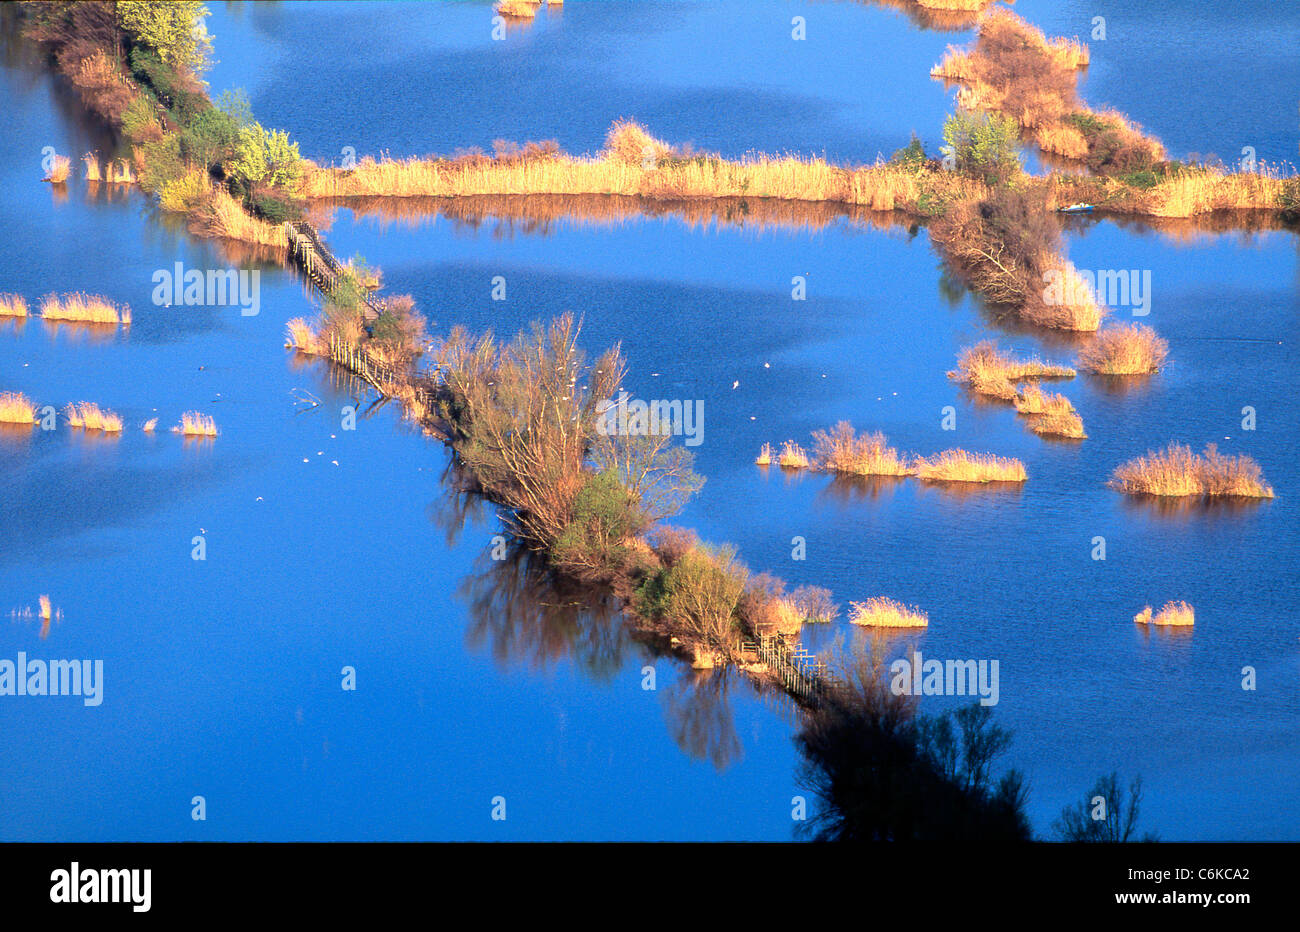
(881, 612)
(960, 466)
(986, 370)
(60, 166)
(89, 416)
(765, 455)
(792, 456)
(16, 408)
(13, 305)
(194, 424)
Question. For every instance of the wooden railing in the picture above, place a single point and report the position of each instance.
(309, 251)
(803, 676)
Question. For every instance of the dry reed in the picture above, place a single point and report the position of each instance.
(13, 305)
(881, 612)
(986, 370)
(1178, 472)
(792, 456)
(301, 336)
(841, 450)
(90, 416)
(1179, 614)
(1125, 349)
(961, 466)
(16, 408)
(765, 455)
(91, 161)
(84, 308)
(194, 424)
(60, 166)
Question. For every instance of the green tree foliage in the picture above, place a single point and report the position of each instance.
(175, 30)
(700, 592)
(984, 145)
(264, 156)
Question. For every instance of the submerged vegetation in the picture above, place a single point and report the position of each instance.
(1177, 471)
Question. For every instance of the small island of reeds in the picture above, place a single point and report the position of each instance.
(1178, 472)
(1178, 614)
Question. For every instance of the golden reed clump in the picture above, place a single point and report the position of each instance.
(961, 466)
(13, 305)
(1178, 472)
(841, 450)
(519, 9)
(60, 166)
(301, 336)
(792, 456)
(987, 370)
(90, 416)
(765, 455)
(1124, 349)
(194, 424)
(1178, 614)
(84, 308)
(1050, 414)
(881, 612)
(16, 408)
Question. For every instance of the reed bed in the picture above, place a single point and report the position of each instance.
(60, 167)
(1066, 424)
(961, 466)
(194, 424)
(987, 370)
(150, 425)
(1125, 349)
(841, 450)
(1033, 400)
(91, 161)
(84, 308)
(219, 215)
(792, 456)
(13, 305)
(765, 455)
(16, 408)
(46, 610)
(633, 163)
(1179, 614)
(1178, 472)
(881, 612)
(90, 416)
(302, 336)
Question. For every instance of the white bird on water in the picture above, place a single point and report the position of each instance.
(735, 385)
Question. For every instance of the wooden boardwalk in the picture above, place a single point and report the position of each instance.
(309, 252)
(806, 680)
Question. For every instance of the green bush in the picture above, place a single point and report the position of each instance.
(139, 121)
(273, 206)
(210, 138)
(162, 163)
(985, 145)
(700, 592)
(606, 516)
(911, 156)
(174, 32)
(265, 157)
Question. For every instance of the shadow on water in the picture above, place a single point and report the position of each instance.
(524, 613)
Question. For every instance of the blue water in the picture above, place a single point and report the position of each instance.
(223, 676)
